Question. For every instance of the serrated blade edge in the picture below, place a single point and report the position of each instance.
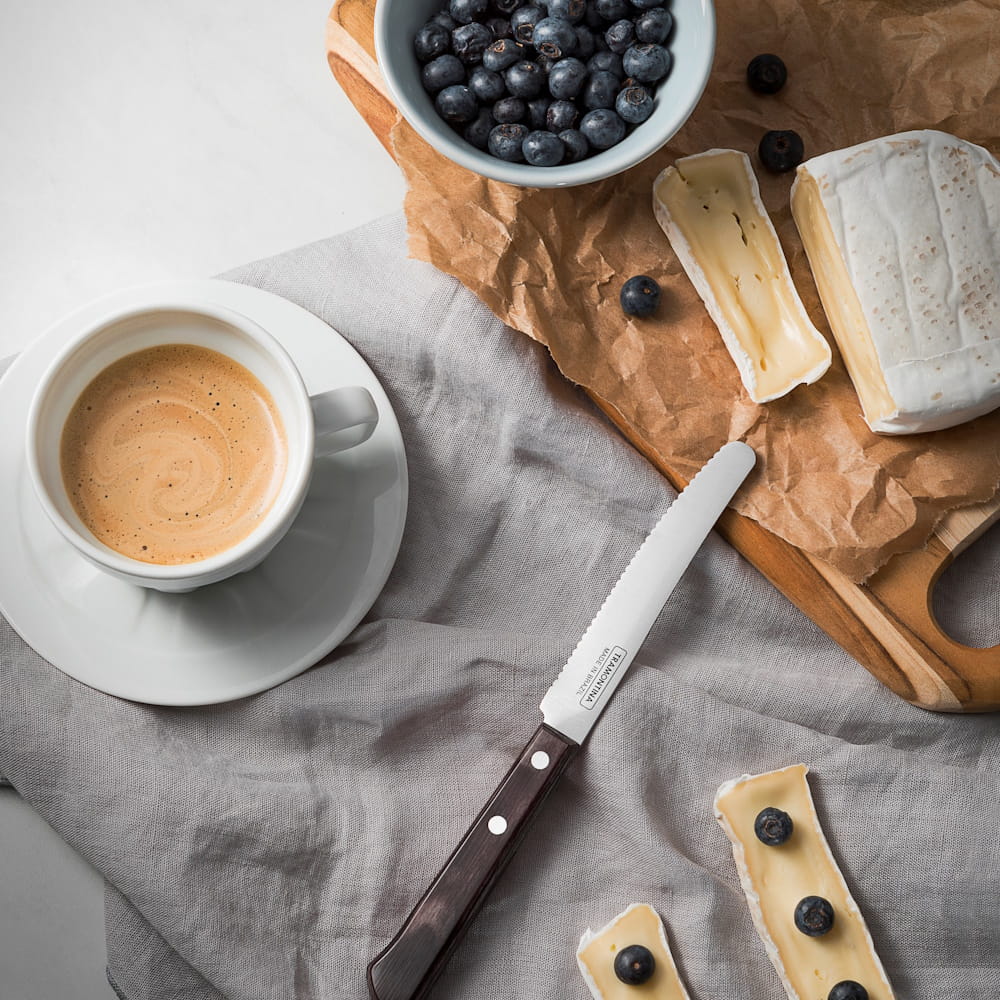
(605, 651)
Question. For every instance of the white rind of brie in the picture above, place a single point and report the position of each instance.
(774, 878)
(903, 238)
(710, 208)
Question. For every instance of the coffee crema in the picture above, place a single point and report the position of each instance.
(173, 454)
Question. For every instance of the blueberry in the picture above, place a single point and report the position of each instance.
(571, 10)
(620, 36)
(847, 989)
(446, 21)
(594, 19)
(600, 91)
(773, 826)
(602, 128)
(457, 104)
(507, 7)
(654, 26)
(646, 62)
(634, 965)
(766, 74)
(538, 108)
(503, 53)
(781, 151)
(465, 11)
(561, 115)
(577, 147)
(814, 916)
(646, 4)
(586, 45)
(634, 104)
(566, 78)
(469, 41)
(554, 37)
(505, 142)
(500, 26)
(542, 149)
(639, 296)
(445, 71)
(613, 10)
(431, 41)
(523, 21)
(606, 62)
(509, 110)
(478, 131)
(485, 85)
(546, 63)
(524, 79)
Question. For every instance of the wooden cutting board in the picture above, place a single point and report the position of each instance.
(887, 624)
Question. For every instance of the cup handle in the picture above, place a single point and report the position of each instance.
(349, 408)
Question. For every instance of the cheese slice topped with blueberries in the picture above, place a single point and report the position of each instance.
(807, 919)
(629, 958)
(710, 208)
(903, 238)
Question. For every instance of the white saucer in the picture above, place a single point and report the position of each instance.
(237, 637)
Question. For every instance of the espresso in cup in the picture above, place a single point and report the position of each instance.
(173, 454)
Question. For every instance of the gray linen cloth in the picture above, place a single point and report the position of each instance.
(270, 847)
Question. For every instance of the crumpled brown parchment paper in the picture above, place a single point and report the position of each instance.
(551, 264)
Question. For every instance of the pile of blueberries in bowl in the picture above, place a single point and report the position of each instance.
(544, 85)
(546, 92)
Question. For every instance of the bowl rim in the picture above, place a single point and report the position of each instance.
(594, 168)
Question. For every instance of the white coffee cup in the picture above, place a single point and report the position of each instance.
(314, 426)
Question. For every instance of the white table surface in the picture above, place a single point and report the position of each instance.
(143, 141)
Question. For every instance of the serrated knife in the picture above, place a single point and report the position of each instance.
(411, 963)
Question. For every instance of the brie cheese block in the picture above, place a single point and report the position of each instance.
(903, 238)
(776, 878)
(639, 924)
(709, 206)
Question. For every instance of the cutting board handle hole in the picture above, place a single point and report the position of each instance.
(966, 599)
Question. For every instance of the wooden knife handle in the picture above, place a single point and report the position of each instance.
(408, 967)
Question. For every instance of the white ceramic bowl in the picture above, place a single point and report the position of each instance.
(692, 45)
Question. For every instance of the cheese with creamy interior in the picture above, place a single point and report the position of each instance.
(776, 878)
(709, 206)
(639, 924)
(903, 238)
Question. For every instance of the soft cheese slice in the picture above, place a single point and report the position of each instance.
(774, 879)
(709, 206)
(903, 238)
(639, 924)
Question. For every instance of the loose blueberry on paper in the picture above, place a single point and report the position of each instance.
(766, 73)
(635, 964)
(517, 60)
(640, 296)
(781, 150)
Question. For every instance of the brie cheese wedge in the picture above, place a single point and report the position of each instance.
(639, 924)
(903, 238)
(709, 206)
(775, 878)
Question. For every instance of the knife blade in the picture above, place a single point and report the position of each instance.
(408, 967)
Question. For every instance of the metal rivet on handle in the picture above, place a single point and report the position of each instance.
(497, 825)
(539, 760)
